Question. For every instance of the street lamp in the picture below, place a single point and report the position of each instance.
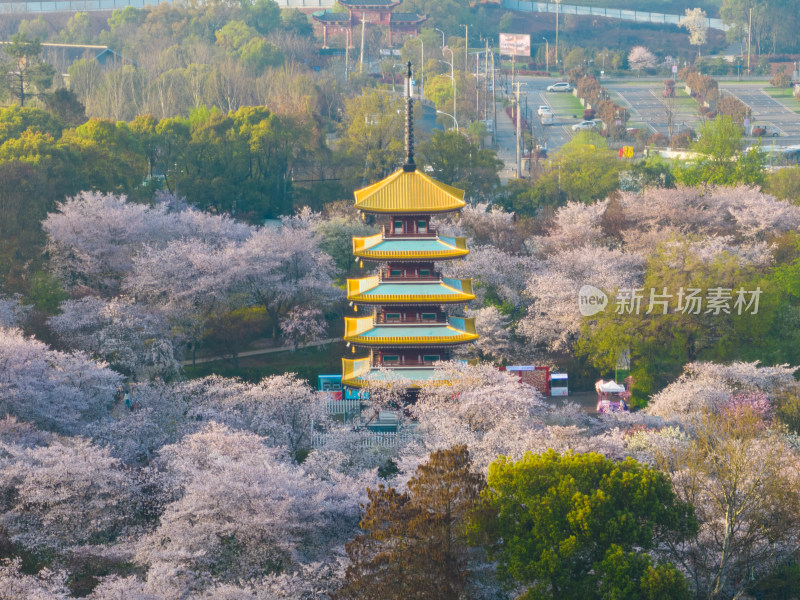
(441, 112)
(453, 77)
(421, 67)
(442, 32)
(546, 55)
(466, 47)
(558, 4)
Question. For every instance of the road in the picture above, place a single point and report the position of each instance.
(767, 110)
(532, 95)
(647, 107)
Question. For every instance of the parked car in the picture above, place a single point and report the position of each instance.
(584, 126)
(544, 109)
(561, 86)
(764, 131)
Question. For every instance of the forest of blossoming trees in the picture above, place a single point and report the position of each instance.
(220, 488)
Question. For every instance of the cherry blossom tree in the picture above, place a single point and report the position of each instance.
(495, 339)
(706, 386)
(57, 390)
(553, 321)
(45, 585)
(489, 411)
(241, 512)
(505, 284)
(12, 312)
(65, 494)
(302, 325)
(280, 269)
(93, 237)
(641, 58)
(281, 408)
(741, 477)
(132, 339)
(696, 22)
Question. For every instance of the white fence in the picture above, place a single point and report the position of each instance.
(638, 16)
(370, 439)
(344, 406)
(43, 6)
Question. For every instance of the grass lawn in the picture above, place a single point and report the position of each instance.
(784, 96)
(564, 104)
(306, 362)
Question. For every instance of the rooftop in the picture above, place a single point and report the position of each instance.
(411, 192)
(377, 247)
(364, 331)
(371, 290)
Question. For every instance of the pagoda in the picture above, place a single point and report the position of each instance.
(374, 12)
(408, 328)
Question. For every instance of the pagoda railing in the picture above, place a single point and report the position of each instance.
(430, 233)
(404, 320)
(407, 363)
(386, 277)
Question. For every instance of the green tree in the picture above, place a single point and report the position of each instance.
(262, 15)
(78, 29)
(722, 161)
(413, 545)
(26, 74)
(578, 527)
(258, 54)
(457, 161)
(296, 21)
(784, 184)
(372, 133)
(660, 344)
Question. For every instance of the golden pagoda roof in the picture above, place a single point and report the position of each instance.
(382, 247)
(372, 290)
(359, 372)
(364, 331)
(411, 192)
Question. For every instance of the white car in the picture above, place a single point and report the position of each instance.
(561, 86)
(584, 126)
(544, 109)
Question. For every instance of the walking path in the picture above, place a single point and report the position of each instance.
(208, 359)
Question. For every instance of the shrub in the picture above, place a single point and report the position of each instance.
(781, 79)
(681, 140)
(658, 139)
(588, 114)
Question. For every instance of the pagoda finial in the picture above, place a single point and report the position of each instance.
(409, 165)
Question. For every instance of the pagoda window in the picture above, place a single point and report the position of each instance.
(424, 272)
(422, 226)
(430, 358)
(392, 316)
(428, 316)
(398, 226)
(391, 358)
(396, 273)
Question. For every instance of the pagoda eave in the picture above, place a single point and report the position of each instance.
(421, 301)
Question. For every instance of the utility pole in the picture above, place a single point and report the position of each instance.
(363, 24)
(466, 47)
(347, 56)
(494, 106)
(547, 55)
(477, 85)
(485, 81)
(558, 4)
(518, 116)
(749, 40)
(453, 77)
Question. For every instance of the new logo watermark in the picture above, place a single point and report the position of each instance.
(591, 300)
(688, 301)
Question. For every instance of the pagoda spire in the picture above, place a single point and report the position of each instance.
(409, 165)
